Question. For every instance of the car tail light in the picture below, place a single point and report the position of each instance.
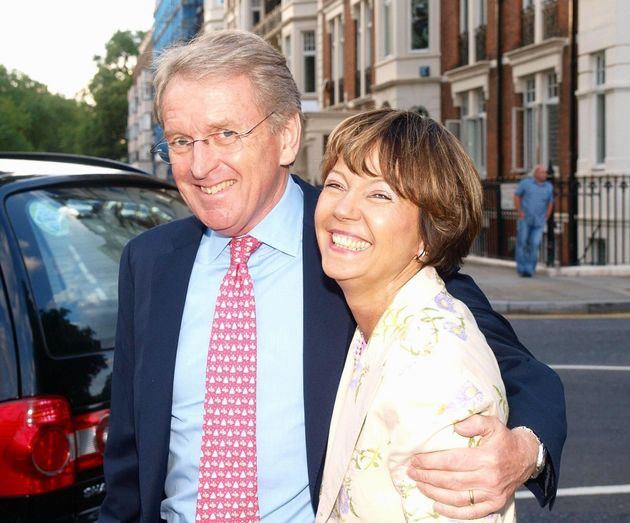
(91, 436)
(36, 446)
(41, 446)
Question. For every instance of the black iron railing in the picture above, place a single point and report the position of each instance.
(590, 224)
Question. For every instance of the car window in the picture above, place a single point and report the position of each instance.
(71, 239)
(8, 374)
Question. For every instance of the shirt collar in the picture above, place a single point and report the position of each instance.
(281, 229)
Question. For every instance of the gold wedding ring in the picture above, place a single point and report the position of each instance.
(471, 497)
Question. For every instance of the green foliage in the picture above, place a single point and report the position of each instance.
(33, 119)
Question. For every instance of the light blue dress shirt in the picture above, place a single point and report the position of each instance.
(276, 269)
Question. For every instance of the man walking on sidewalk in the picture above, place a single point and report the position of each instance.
(533, 200)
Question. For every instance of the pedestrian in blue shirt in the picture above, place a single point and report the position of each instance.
(533, 200)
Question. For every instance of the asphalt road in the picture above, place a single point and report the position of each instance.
(592, 356)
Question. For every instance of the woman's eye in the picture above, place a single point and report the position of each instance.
(381, 196)
(333, 185)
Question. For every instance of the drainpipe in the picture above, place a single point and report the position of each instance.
(573, 139)
(499, 19)
(500, 225)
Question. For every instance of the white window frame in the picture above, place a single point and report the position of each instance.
(472, 128)
(388, 30)
(529, 112)
(410, 26)
(336, 55)
(256, 7)
(551, 98)
(308, 51)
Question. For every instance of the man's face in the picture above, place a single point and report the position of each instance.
(540, 174)
(230, 189)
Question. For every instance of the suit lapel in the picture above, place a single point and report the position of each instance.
(168, 287)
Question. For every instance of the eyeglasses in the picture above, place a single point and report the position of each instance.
(177, 149)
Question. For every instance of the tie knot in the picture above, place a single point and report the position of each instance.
(241, 249)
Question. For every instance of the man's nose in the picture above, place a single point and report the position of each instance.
(204, 159)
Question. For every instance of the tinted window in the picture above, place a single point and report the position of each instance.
(71, 239)
(8, 372)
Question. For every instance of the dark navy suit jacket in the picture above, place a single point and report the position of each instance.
(154, 273)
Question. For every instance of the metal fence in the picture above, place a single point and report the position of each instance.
(590, 224)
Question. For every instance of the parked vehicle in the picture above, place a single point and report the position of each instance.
(64, 221)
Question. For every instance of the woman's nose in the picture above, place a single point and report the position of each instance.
(347, 207)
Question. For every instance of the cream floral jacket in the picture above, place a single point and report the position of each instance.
(425, 367)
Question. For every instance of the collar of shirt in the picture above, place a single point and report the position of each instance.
(281, 229)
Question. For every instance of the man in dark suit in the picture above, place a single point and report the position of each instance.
(230, 111)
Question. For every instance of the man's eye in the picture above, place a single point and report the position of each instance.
(226, 134)
(179, 142)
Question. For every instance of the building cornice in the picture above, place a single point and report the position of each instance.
(535, 58)
(468, 77)
(405, 81)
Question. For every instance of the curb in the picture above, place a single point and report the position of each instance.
(559, 307)
(577, 270)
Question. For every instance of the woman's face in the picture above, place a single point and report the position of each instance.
(367, 234)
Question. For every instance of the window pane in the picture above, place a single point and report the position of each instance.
(601, 128)
(552, 133)
(528, 139)
(600, 69)
(309, 74)
(71, 240)
(419, 24)
(552, 85)
(309, 41)
(387, 11)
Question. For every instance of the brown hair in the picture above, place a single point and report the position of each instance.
(424, 163)
(228, 54)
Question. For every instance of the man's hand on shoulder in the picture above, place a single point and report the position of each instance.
(469, 483)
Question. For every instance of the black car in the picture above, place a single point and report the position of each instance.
(64, 221)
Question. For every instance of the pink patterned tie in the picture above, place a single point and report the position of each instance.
(228, 489)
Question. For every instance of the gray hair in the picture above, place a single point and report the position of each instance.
(228, 54)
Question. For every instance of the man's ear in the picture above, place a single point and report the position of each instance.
(291, 135)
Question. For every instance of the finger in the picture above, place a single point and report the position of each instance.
(460, 459)
(476, 511)
(450, 497)
(477, 425)
(447, 480)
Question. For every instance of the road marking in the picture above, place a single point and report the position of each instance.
(567, 316)
(624, 368)
(582, 491)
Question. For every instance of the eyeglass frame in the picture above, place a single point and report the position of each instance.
(189, 145)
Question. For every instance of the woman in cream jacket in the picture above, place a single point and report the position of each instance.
(401, 205)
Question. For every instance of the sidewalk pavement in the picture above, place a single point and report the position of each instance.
(567, 290)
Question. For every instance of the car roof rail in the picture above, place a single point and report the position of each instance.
(71, 158)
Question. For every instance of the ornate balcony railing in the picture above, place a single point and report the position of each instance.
(527, 25)
(480, 42)
(551, 25)
(463, 48)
